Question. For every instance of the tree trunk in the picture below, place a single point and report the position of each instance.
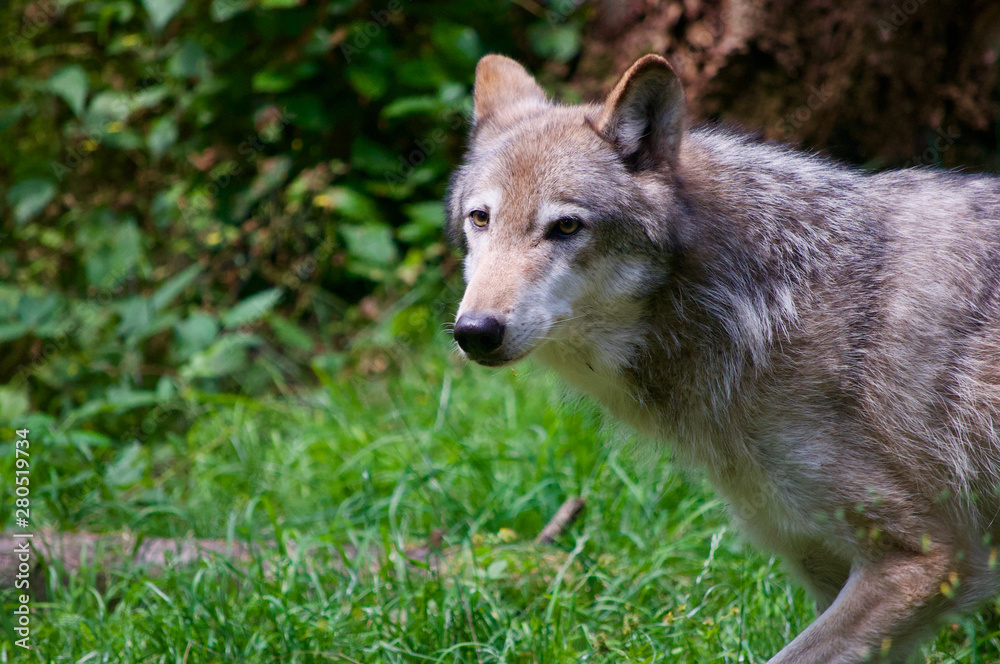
(907, 82)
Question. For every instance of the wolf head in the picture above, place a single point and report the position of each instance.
(561, 209)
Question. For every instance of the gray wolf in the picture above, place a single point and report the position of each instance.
(823, 342)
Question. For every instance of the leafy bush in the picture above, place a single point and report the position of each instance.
(218, 196)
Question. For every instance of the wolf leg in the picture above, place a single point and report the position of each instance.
(877, 614)
(823, 574)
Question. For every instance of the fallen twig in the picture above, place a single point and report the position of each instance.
(563, 518)
(71, 551)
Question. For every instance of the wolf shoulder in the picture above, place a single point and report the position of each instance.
(942, 210)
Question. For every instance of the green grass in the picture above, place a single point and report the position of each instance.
(649, 573)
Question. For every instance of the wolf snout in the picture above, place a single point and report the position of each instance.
(479, 334)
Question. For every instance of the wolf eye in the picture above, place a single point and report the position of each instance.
(566, 226)
(480, 218)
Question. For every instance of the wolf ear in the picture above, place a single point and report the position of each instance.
(643, 117)
(504, 91)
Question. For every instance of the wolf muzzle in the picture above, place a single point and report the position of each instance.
(479, 334)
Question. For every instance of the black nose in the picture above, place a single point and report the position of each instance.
(479, 334)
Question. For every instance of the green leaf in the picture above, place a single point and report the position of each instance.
(226, 356)
(166, 389)
(148, 97)
(113, 248)
(87, 441)
(40, 310)
(196, 333)
(371, 243)
(119, 400)
(174, 286)
(29, 197)
(496, 569)
(555, 42)
(106, 107)
(162, 135)
(14, 403)
(11, 114)
(368, 81)
(419, 105)
(161, 11)
(373, 158)
(422, 74)
(269, 81)
(71, 83)
(328, 365)
(354, 206)
(426, 221)
(137, 317)
(252, 308)
(271, 174)
(223, 10)
(190, 61)
(128, 468)
(124, 398)
(458, 42)
(309, 111)
(290, 334)
(13, 331)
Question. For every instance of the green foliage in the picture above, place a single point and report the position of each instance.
(649, 573)
(217, 196)
(29, 197)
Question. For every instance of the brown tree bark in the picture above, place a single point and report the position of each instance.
(889, 83)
